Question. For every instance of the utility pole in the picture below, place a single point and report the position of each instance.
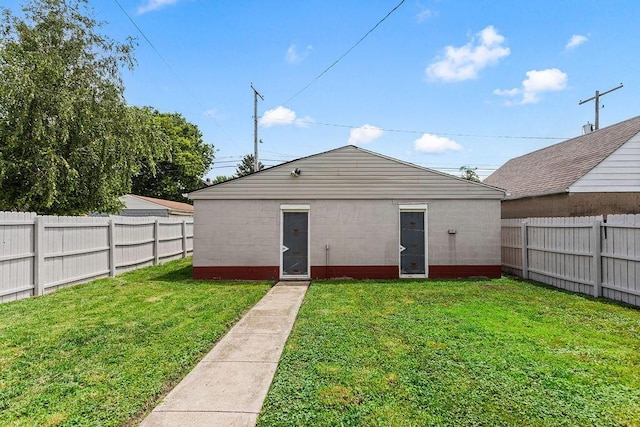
(256, 94)
(597, 102)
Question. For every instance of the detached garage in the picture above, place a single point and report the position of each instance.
(347, 212)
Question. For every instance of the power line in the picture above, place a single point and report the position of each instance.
(344, 54)
(166, 63)
(311, 122)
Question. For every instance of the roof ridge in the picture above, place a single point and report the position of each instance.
(553, 169)
(576, 137)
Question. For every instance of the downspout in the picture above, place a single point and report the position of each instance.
(326, 261)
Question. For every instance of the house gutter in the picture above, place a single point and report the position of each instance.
(550, 193)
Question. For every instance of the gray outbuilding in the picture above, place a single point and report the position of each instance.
(347, 212)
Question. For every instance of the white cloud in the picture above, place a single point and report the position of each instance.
(364, 134)
(536, 83)
(506, 92)
(464, 63)
(282, 116)
(423, 15)
(429, 143)
(293, 56)
(575, 41)
(152, 5)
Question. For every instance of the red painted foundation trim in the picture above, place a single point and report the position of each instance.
(355, 271)
(237, 273)
(464, 271)
(352, 271)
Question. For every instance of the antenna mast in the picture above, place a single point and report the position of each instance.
(597, 102)
(256, 94)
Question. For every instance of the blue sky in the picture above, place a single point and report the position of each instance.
(439, 83)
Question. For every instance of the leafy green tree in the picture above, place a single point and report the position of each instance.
(245, 167)
(221, 178)
(469, 173)
(190, 159)
(68, 142)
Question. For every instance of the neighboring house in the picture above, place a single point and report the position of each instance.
(593, 174)
(347, 212)
(149, 206)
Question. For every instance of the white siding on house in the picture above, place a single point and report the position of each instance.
(620, 172)
(348, 173)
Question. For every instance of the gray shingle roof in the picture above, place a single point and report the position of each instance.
(553, 169)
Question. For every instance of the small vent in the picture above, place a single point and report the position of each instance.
(588, 128)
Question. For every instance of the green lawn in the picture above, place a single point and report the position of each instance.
(487, 353)
(103, 353)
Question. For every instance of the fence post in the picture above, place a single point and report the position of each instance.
(597, 259)
(112, 248)
(525, 252)
(184, 238)
(38, 258)
(156, 242)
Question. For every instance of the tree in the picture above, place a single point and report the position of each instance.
(469, 173)
(221, 178)
(245, 167)
(69, 143)
(190, 159)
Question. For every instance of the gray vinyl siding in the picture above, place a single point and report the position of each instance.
(135, 203)
(617, 173)
(348, 173)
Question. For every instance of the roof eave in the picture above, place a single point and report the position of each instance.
(526, 196)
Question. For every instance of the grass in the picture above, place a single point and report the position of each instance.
(103, 353)
(495, 352)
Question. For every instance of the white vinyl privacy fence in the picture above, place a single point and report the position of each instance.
(585, 254)
(41, 253)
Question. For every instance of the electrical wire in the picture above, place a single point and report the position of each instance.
(327, 69)
(344, 54)
(166, 63)
(311, 122)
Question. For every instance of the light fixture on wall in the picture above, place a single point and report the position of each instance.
(296, 172)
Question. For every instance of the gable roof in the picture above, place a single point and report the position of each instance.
(554, 169)
(347, 172)
(162, 203)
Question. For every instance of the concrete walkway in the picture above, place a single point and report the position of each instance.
(228, 387)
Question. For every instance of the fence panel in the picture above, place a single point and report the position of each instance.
(135, 245)
(512, 246)
(75, 250)
(621, 258)
(189, 236)
(170, 241)
(17, 255)
(560, 252)
(582, 254)
(39, 254)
